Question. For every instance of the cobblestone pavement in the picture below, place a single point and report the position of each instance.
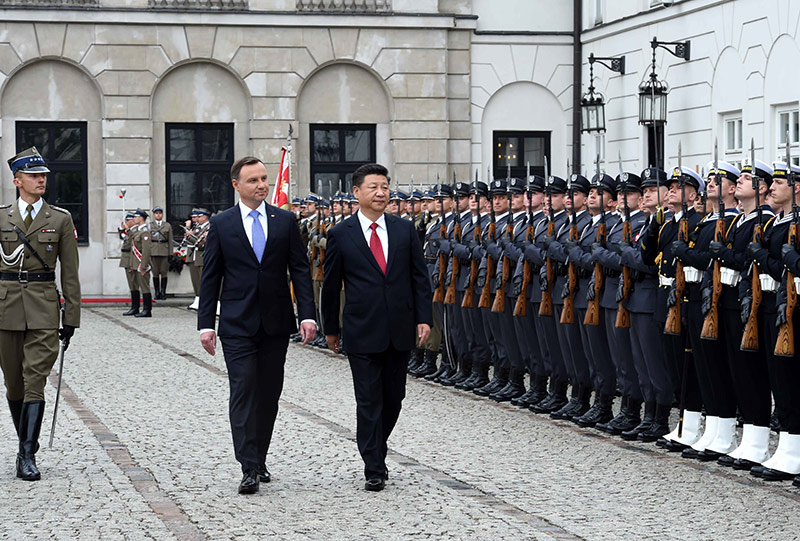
(143, 450)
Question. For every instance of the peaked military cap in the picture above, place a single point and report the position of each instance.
(498, 187)
(157, 209)
(536, 183)
(516, 185)
(140, 212)
(416, 195)
(653, 176)
(725, 169)
(578, 182)
(691, 176)
(480, 188)
(443, 190)
(629, 182)
(557, 184)
(461, 189)
(28, 161)
(764, 171)
(606, 182)
(297, 201)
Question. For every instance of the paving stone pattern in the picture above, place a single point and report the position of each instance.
(143, 450)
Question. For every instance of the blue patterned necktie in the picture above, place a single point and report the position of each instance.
(259, 240)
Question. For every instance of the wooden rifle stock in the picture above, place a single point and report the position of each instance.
(469, 294)
(593, 309)
(450, 296)
(485, 300)
(673, 324)
(711, 323)
(784, 346)
(568, 313)
(500, 295)
(750, 333)
(520, 308)
(546, 307)
(623, 320)
(319, 274)
(438, 294)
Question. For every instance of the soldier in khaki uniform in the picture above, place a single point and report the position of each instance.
(161, 249)
(141, 252)
(126, 234)
(30, 301)
(197, 245)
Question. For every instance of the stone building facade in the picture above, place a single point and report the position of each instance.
(156, 97)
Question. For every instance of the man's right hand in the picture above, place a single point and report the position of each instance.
(333, 342)
(209, 341)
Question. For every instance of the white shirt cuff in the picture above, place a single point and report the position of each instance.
(308, 321)
(206, 330)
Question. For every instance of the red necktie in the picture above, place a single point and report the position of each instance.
(377, 248)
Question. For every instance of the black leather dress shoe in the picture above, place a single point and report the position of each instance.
(776, 475)
(691, 452)
(757, 470)
(744, 464)
(796, 481)
(726, 460)
(376, 484)
(264, 476)
(708, 455)
(249, 484)
(675, 446)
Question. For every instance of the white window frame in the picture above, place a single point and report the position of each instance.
(733, 154)
(794, 132)
(599, 143)
(598, 12)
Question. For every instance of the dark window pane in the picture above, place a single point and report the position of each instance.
(357, 145)
(35, 137)
(326, 146)
(326, 184)
(64, 187)
(534, 151)
(507, 151)
(182, 145)
(182, 189)
(348, 183)
(67, 144)
(215, 145)
(216, 188)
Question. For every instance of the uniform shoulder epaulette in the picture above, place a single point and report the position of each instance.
(59, 209)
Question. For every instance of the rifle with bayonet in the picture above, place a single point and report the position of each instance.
(520, 308)
(623, 320)
(450, 296)
(438, 294)
(319, 273)
(593, 308)
(500, 295)
(546, 306)
(568, 313)
(673, 323)
(469, 294)
(784, 346)
(711, 323)
(314, 242)
(750, 333)
(485, 300)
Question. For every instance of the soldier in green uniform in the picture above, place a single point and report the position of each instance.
(34, 238)
(126, 234)
(196, 246)
(139, 263)
(160, 251)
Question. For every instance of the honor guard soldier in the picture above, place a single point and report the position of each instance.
(162, 240)
(35, 238)
(141, 252)
(196, 245)
(126, 234)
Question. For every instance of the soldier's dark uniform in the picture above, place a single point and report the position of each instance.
(657, 250)
(30, 308)
(161, 249)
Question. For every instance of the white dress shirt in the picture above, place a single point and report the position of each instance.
(247, 220)
(366, 228)
(23, 208)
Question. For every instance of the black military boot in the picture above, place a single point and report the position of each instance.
(600, 412)
(578, 404)
(499, 380)
(610, 426)
(513, 389)
(444, 365)
(16, 412)
(428, 365)
(556, 400)
(29, 429)
(415, 359)
(156, 288)
(534, 393)
(163, 288)
(463, 373)
(644, 424)
(630, 421)
(659, 426)
(134, 304)
(147, 309)
(479, 377)
(450, 371)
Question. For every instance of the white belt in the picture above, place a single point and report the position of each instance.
(797, 284)
(768, 283)
(665, 281)
(729, 277)
(692, 275)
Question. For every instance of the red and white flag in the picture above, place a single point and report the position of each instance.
(280, 197)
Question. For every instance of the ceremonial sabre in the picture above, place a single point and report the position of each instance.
(64, 346)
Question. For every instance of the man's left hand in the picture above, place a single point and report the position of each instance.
(423, 332)
(333, 342)
(308, 330)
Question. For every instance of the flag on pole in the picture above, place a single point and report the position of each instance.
(280, 197)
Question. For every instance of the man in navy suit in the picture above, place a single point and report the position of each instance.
(387, 310)
(250, 248)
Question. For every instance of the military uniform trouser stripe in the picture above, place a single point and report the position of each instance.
(26, 358)
(479, 345)
(619, 345)
(749, 372)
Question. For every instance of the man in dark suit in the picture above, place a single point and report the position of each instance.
(249, 249)
(387, 310)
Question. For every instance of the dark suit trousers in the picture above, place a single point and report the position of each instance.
(255, 373)
(379, 380)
